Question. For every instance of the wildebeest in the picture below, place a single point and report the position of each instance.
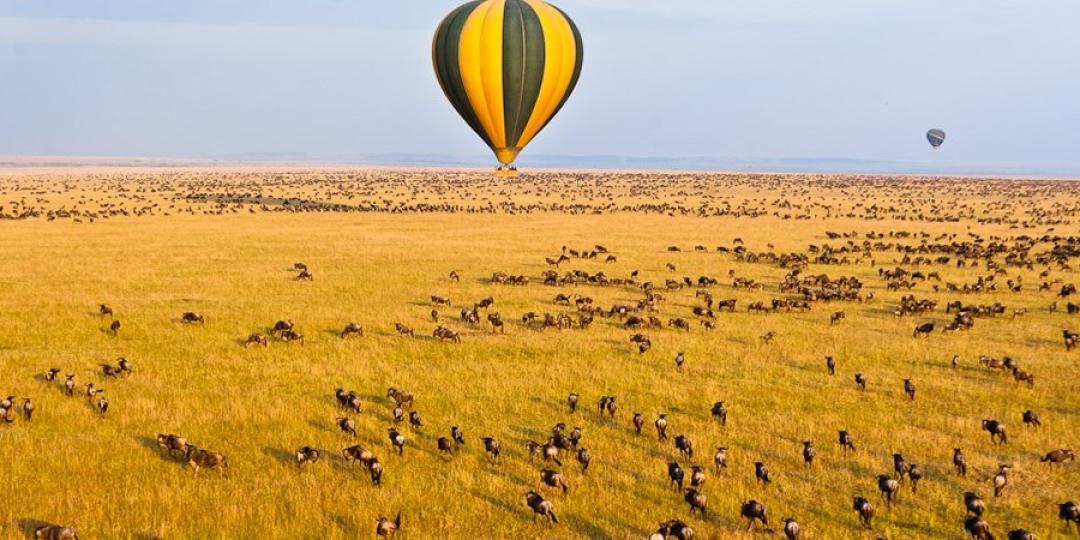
(1069, 512)
(55, 532)
(457, 435)
(51, 374)
(915, 473)
(403, 330)
(974, 504)
(791, 528)
(847, 442)
(400, 397)
(540, 506)
(1071, 339)
(675, 529)
(305, 275)
(860, 381)
(114, 327)
(719, 412)
(720, 458)
(281, 326)
(675, 474)
(1001, 479)
(496, 322)
(900, 466)
(996, 430)
(909, 389)
(104, 310)
(761, 472)
(199, 458)
(352, 329)
(959, 461)
(830, 364)
(292, 335)
(1030, 418)
(307, 454)
(684, 445)
(661, 424)
(445, 334)
(554, 479)
(754, 511)
(491, 446)
(696, 500)
(28, 409)
(441, 301)
(978, 528)
(808, 453)
(396, 439)
(584, 458)
(172, 443)
(191, 317)
(386, 528)
(1020, 534)
(836, 317)
(257, 338)
(103, 405)
(572, 401)
(1060, 455)
(865, 510)
(923, 329)
(697, 476)
(888, 486)
(346, 425)
(69, 384)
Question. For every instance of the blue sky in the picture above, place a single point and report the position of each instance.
(722, 80)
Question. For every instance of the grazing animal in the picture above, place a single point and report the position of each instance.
(808, 453)
(696, 500)
(888, 486)
(257, 338)
(675, 474)
(554, 479)
(396, 439)
(1001, 479)
(1060, 455)
(754, 511)
(865, 510)
(978, 528)
(307, 454)
(491, 446)
(974, 504)
(292, 335)
(761, 472)
(661, 424)
(51, 374)
(996, 430)
(305, 275)
(172, 443)
(909, 389)
(104, 310)
(434, 315)
(720, 458)
(443, 333)
(923, 330)
(846, 441)
(114, 327)
(959, 461)
(352, 329)
(386, 528)
(719, 412)
(584, 458)
(346, 425)
(55, 532)
(860, 381)
(403, 330)
(541, 506)
(199, 458)
(791, 529)
(836, 317)
(1030, 418)
(684, 446)
(1069, 512)
(281, 326)
(191, 317)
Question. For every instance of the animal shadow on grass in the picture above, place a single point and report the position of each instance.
(283, 457)
(29, 526)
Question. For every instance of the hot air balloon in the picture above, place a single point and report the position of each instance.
(507, 67)
(936, 137)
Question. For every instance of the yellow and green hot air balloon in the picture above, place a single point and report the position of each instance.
(507, 66)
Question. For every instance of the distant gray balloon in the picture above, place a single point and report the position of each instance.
(936, 137)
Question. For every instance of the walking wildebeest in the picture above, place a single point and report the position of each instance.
(403, 330)
(1030, 418)
(554, 479)
(675, 529)
(257, 338)
(114, 327)
(191, 317)
(720, 458)
(1069, 512)
(996, 430)
(352, 329)
(978, 528)
(846, 441)
(396, 439)
(540, 506)
(923, 329)
(719, 412)
(307, 454)
(55, 532)
(491, 446)
(754, 511)
(104, 310)
(386, 528)
(1060, 455)
(791, 528)
(696, 500)
(199, 458)
(974, 504)
(1001, 479)
(172, 443)
(865, 510)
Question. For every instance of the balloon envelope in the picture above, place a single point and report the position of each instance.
(936, 137)
(507, 67)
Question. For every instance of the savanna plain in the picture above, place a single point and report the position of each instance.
(619, 254)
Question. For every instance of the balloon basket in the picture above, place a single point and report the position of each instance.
(506, 172)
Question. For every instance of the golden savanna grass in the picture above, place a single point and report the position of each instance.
(214, 244)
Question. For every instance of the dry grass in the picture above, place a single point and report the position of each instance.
(107, 477)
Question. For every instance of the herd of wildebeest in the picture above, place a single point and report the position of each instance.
(904, 260)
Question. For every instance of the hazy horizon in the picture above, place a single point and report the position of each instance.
(696, 83)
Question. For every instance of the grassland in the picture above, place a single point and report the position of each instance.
(107, 477)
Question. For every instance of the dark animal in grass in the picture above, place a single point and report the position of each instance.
(572, 401)
(584, 458)
(386, 528)
(860, 381)
(661, 424)
(1020, 534)
(292, 335)
(191, 317)
(554, 479)
(675, 529)
(28, 409)
(445, 445)
(847, 442)
(761, 472)
(257, 338)
(865, 510)
(1069, 512)
(51, 374)
(888, 486)
(996, 430)
(978, 528)
(307, 454)
(346, 425)
(684, 446)
(199, 458)
(491, 446)
(172, 443)
(915, 473)
(754, 511)
(923, 330)
(55, 532)
(612, 407)
(396, 439)
(974, 504)
(675, 474)
(352, 329)
(403, 330)
(696, 500)
(1060, 455)
(104, 310)
(114, 327)
(679, 360)
(909, 389)
(457, 435)
(697, 476)
(401, 398)
(719, 412)
(1001, 479)
(808, 453)
(551, 453)
(347, 400)
(830, 363)
(281, 326)
(541, 507)
(1030, 418)
(720, 458)
(102, 405)
(959, 462)
(900, 466)
(414, 420)
(639, 422)
(69, 385)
